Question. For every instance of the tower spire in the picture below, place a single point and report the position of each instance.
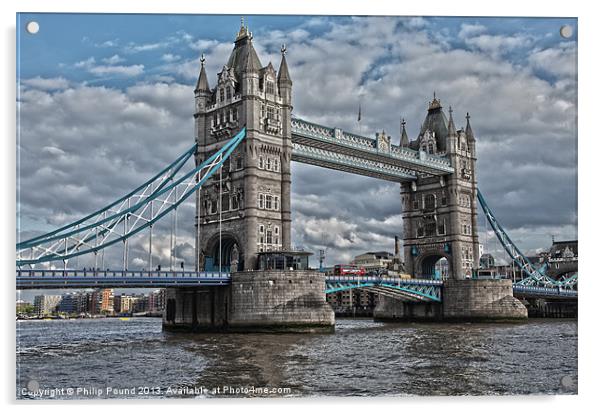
(451, 128)
(404, 141)
(469, 133)
(283, 75)
(202, 84)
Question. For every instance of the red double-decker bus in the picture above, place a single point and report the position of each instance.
(348, 269)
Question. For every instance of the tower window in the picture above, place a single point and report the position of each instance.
(269, 87)
(276, 207)
(261, 162)
(228, 93)
(215, 119)
(268, 164)
(268, 202)
(268, 237)
(221, 95)
(235, 114)
(239, 162)
(276, 165)
(261, 200)
(431, 149)
(223, 117)
(234, 202)
(429, 202)
(225, 202)
(270, 112)
(441, 227)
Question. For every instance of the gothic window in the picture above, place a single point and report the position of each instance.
(225, 202)
(213, 206)
(228, 93)
(415, 204)
(268, 164)
(238, 162)
(234, 201)
(261, 229)
(261, 162)
(430, 227)
(276, 164)
(420, 230)
(214, 118)
(223, 117)
(276, 237)
(269, 87)
(268, 202)
(235, 114)
(270, 112)
(444, 199)
(268, 236)
(221, 94)
(429, 202)
(441, 227)
(261, 200)
(431, 149)
(276, 205)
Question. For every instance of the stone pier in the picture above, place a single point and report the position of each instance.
(481, 300)
(255, 301)
(463, 300)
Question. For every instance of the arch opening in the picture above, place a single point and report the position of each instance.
(212, 258)
(434, 267)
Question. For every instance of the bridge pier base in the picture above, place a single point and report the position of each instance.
(393, 309)
(462, 300)
(255, 301)
(481, 300)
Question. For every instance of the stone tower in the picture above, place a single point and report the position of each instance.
(440, 213)
(256, 180)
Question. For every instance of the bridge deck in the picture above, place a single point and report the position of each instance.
(411, 289)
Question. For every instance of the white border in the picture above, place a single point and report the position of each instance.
(590, 72)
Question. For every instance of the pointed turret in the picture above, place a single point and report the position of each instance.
(283, 76)
(469, 133)
(404, 141)
(244, 57)
(202, 85)
(451, 128)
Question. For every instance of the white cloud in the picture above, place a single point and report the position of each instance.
(102, 70)
(560, 61)
(469, 30)
(42, 83)
(113, 59)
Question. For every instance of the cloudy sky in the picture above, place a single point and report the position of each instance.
(106, 101)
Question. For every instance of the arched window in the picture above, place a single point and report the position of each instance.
(276, 165)
(268, 164)
(431, 149)
(221, 94)
(261, 162)
(228, 93)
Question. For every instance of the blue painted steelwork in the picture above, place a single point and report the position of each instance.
(160, 180)
(74, 239)
(412, 289)
(338, 141)
(536, 277)
(348, 163)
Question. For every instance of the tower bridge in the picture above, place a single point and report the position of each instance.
(245, 141)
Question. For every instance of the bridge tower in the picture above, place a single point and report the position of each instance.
(256, 181)
(440, 213)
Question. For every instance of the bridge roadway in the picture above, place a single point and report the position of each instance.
(418, 290)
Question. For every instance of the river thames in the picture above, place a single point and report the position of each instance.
(134, 358)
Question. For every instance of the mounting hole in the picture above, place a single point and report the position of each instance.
(32, 27)
(566, 31)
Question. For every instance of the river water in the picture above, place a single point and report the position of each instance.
(100, 358)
